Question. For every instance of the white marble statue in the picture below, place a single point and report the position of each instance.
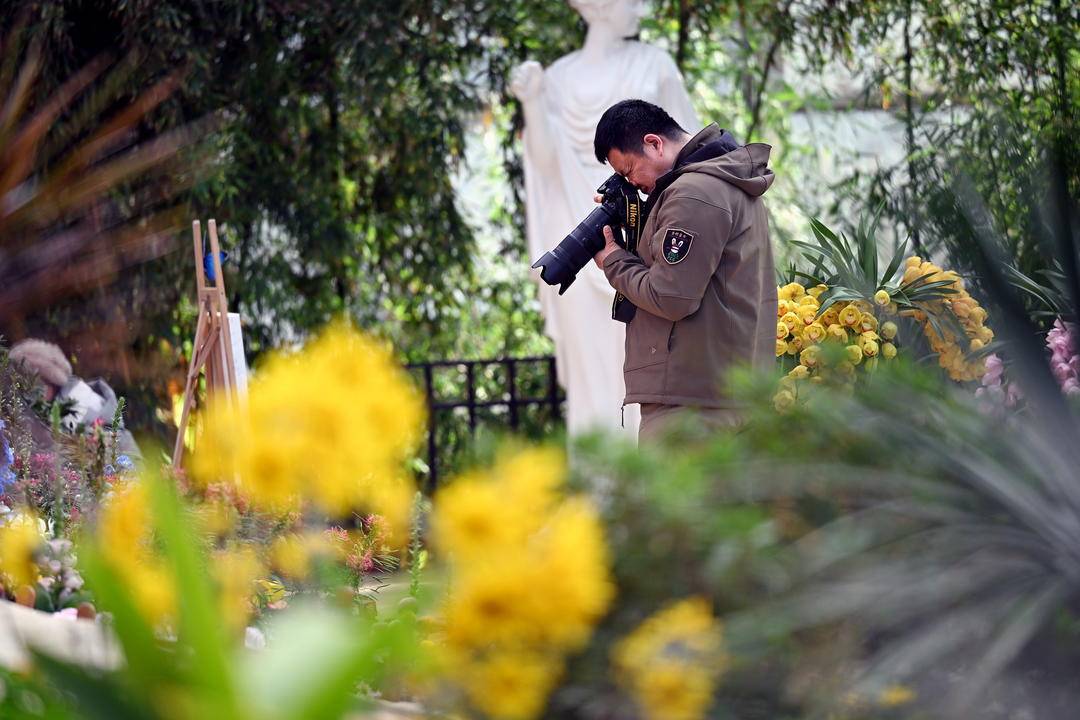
(562, 106)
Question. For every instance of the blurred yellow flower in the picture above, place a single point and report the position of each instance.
(781, 347)
(126, 540)
(881, 297)
(896, 695)
(888, 330)
(20, 539)
(507, 532)
(817, 290)
(888, 351)
(799, 372)
(330, 426)
(784, 400)
(854, 354)
(671, 662)
(292, 555)
(511, 685)
(236, 571)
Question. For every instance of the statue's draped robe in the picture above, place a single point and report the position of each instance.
(588, 343)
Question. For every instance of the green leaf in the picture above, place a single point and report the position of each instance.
(96, 695)
(146, 665)
(318, 658)
(200, 626)
(894, 264)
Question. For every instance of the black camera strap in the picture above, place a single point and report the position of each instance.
(622, 309)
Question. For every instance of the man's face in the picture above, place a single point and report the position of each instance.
(643, 168)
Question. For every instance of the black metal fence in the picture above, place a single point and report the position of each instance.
(516, 395)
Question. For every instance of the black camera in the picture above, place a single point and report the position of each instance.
(620, 208)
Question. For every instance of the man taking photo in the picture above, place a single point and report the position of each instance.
(703, 279)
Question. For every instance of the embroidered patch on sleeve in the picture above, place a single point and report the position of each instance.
(677, 245)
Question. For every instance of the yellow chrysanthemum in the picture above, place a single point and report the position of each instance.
(791, 320)
(850, 316)
(837, 332)
(814, 333)
(807, 314)
(794, 291)
(830, 316)
(967, 312)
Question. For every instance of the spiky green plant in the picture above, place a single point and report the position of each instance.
(85, 190)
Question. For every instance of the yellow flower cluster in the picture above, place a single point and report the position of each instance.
(951, 356)
(829, 346)
(126, 540)
(530, 580)
(20, 539)
(330, 426)
(670, 664)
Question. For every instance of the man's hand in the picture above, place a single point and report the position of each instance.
(609, 246)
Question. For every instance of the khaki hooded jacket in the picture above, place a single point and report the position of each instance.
(703, 281)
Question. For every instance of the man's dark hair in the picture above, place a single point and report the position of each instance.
(624, 124)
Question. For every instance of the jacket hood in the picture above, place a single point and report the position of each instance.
(714, 152)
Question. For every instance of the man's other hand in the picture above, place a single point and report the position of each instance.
(609, 246)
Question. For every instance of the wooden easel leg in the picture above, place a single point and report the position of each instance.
(190, 388)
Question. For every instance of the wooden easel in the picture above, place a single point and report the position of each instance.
(212, 350)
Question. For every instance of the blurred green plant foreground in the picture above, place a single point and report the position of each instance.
(896, 539)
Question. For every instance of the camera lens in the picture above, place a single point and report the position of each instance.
(561, 265)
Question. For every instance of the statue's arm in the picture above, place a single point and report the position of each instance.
(527, 84)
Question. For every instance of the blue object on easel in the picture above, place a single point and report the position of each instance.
(208, 264)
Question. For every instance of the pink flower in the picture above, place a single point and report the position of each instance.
(994, 369)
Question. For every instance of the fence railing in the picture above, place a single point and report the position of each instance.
(508, 394)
